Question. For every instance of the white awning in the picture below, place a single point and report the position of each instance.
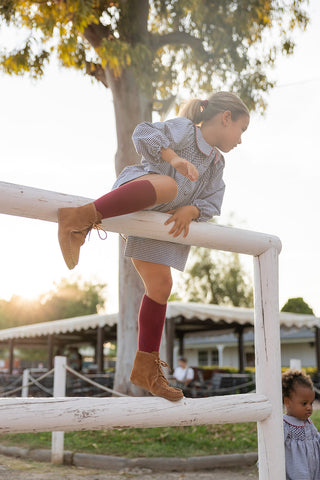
(59, 326)
(239, 315)
(189, 310)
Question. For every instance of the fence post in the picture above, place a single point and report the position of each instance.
(59, 390)
(25, 381)
(268, 365)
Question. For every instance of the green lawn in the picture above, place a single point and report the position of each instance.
(154, 442)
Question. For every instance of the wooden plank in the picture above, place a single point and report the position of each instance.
(43, 205)
(59, 390)
(268, 365)
(84, 413)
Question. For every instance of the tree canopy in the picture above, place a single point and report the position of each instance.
(167, 44)
(66, 300)
(297, 305)
(218, 279)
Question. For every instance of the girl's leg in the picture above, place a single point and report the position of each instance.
(76, 222)
(147, 371)
(158, 283)
(140, 193)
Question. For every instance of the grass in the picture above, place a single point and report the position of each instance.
(153, 442)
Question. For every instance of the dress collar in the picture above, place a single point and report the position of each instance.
(204, 147)
(295, 421)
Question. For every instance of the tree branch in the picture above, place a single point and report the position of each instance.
(176, 38)
(95, 33)
(96, 70)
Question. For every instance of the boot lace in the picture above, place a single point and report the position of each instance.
(99, 228)
(162, 363)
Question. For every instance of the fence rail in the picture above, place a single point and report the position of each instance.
(43, 205)
(84, 413)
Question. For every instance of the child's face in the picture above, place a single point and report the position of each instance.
(230, 134)
(223, 132)
(299, 404)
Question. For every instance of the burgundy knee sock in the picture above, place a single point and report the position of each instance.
(151, 321)
(128, 198)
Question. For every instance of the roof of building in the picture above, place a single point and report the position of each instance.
(75, 324)
(239, 315)
(194, 315)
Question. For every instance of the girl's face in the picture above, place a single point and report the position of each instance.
(299, 404)
(230, 135)
(223, 132)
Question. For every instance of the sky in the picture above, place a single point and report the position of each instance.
(59, 134)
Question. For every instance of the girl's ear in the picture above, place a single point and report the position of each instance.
(226, 118)
(286, 401)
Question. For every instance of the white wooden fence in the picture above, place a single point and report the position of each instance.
(59, 390)
(265, 406)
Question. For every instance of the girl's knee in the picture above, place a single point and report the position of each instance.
(160, 289)
(166, 288)
(172, 183)
(166, 188)
(157, 279)
(173, 186)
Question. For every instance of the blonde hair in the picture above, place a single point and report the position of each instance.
(199, 111)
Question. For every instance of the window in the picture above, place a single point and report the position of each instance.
(202, 358)
(215, 357)
(250, 359)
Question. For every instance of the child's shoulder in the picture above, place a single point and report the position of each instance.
(179, 122)
(176, 123)
(293, 421)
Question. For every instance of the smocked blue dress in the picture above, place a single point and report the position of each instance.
(302, 449)
(185, 138)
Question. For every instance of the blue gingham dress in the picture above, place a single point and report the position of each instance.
(302, 449)
(186, 140)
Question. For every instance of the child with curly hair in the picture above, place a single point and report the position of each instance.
(301, 438)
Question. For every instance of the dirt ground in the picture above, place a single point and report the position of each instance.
(17, 469)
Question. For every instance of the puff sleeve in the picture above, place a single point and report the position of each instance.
(150, 138)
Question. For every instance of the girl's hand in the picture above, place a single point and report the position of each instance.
(182, 217)
(186, 168)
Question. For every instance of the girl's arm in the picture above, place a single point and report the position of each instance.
(158, 141)
(183, 166)
(203, 208)
(151, 138)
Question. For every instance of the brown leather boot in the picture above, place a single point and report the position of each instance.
(147, 373)
(74, 225)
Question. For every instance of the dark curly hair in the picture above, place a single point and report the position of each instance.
(291, 378)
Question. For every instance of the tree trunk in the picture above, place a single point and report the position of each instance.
(131, 107)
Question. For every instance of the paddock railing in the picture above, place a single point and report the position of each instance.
(264, 406)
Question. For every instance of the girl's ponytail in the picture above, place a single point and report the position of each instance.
(192, 110)
(203, 110)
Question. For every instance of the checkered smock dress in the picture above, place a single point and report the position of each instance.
(302, 449)
(186, 140)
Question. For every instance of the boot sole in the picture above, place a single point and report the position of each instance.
(157, 395)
